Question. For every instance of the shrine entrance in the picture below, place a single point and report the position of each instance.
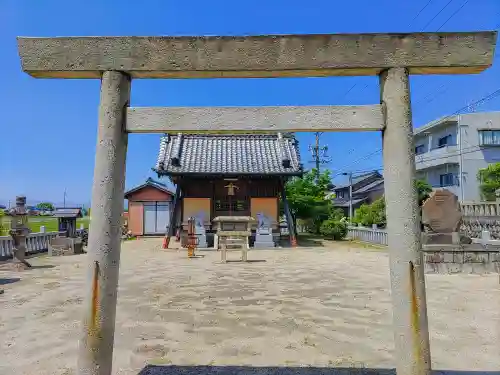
(393, 57)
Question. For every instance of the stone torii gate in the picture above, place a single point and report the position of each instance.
(116, 60)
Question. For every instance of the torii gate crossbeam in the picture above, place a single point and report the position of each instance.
(116, 60)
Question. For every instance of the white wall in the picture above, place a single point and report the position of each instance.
(468, 153)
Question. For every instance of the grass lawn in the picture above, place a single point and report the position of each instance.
(35, 222)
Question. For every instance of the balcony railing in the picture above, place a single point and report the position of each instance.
(437, 156)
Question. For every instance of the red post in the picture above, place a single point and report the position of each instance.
(166, 241)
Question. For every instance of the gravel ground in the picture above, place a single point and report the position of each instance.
(319, 306)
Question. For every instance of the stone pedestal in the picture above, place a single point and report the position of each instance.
(202, 237)
(264, 240)
(216, 242)
(61, 246)
(264, 234)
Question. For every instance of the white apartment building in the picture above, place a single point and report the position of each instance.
(451, 150)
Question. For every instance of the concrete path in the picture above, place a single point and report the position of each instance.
(325, 306)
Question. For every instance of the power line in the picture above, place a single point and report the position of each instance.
(481, 101)
(470, 150)
(418, 14)
(362, 171)
(366, 156)
(348, 91)
(421, 10)
(449, 18)
(478, 102)
(437, 14)
(465, 151)
(453, 15)
(431, 93)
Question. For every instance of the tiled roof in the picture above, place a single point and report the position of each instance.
(67, 212)
(152, 183)
(373, 185)
(342, 202)
(358, 179)
(242, 154)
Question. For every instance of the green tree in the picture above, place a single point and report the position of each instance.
(489, 181)
(369, 214)
(307, 198)
(334, 229)
(423, 190)
(45, 206)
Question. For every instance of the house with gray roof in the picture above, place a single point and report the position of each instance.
(366, 188)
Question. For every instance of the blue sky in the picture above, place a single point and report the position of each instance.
(48, 127)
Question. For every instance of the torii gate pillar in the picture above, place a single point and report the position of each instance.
(411, 332)
(96, 343)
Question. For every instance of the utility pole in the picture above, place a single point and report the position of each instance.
(64, 198)
(350, 195)
(318, 153)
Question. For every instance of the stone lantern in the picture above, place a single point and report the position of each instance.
(19, 231)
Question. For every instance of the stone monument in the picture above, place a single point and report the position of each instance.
(441, 219)
(264, 233)
(19, 231)
(447, 251)
(200, 230)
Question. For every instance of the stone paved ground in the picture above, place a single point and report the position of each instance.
(325, 306)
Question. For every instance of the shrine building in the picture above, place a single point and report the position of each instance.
(228, 175)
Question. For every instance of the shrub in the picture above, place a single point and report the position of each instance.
(334, 229)
(337, 214)
(368, 214)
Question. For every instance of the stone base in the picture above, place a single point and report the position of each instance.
(202, 240)
(475, 259)
(445, 239)
(17, 266)
(264, 241)
(62, 246)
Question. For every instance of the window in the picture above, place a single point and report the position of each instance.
(447, 179)
(444, 141)
(489, 137)
(419, 149)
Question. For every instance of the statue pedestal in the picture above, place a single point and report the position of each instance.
(202, 237)
(264, 239)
